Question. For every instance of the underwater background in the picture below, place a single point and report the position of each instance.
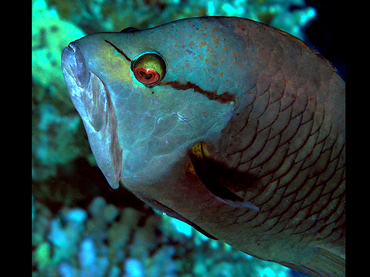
(81, 227)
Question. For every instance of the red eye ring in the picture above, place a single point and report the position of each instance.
(146, 76)
(149, 68)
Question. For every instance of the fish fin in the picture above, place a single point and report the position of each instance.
(323, 263)
(203, 167)
(168, 211)
(328, 262)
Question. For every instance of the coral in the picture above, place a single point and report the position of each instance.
(50, 35)
(94, 16)
(52, 146)
(104, 240)
(133, 268)
(55, 123)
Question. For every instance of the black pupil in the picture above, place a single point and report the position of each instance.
(145, 75)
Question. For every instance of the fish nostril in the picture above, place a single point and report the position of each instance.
(73, 58)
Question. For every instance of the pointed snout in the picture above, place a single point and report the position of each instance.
(73, 61)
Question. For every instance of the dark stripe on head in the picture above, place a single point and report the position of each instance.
(222, 98)
(119, 50)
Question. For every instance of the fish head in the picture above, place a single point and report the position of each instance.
(144, 101)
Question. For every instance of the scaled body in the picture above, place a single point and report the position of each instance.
(232, 126)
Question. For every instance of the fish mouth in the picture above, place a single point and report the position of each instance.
(92, 100)
(76, 64)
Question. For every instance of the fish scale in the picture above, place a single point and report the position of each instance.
(229, 125)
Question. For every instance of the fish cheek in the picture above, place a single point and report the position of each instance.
(111, 67)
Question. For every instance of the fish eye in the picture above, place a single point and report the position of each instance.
(149, 68)
(129, 30)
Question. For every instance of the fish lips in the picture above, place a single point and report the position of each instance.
(92, 100)
(76, 64)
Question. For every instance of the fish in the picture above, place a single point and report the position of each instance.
(232, 126)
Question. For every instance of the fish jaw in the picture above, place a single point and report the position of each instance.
(92, 101)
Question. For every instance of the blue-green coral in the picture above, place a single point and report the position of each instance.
(102, 239)
(54, 120)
